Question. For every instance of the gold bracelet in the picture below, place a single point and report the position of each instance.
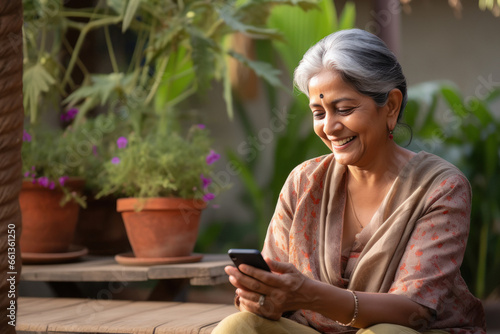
(356, 304)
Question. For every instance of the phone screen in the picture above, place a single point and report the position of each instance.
(252, 257)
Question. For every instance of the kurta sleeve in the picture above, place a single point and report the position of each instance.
(429, 271)
(276, 245)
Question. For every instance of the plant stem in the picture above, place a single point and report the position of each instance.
(158, 78)
(81, 38)
(181, 97)
(181, 74)
(147, 61)
(111, 51)
(482, 257)
(135, 61)
(214, 27)
(42, 42)
(79, 63)
(88, 15)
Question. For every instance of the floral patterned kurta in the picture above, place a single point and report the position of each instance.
(413, 246)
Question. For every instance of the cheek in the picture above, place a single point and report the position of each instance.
(318, 129)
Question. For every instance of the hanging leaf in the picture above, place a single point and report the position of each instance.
(117, 5)
(130, 12)
(230, 17)
(36, 80)
(101, 88)
(101, 91)
(227, 93)
(262, 69)
(202, 55)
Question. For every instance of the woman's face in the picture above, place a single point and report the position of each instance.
(349, 123)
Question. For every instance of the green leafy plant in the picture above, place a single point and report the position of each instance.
(179, 47)
(466, 132)
(162, 165)
(49, 158)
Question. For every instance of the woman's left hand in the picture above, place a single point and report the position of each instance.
(282, 288)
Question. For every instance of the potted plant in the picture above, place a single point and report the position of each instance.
(51, 194)
(178, 49)
(163, 179)
(100, 227)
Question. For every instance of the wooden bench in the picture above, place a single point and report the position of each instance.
(71, 315)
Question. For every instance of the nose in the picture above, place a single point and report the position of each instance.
(332, 124)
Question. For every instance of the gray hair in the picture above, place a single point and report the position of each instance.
(361, 58)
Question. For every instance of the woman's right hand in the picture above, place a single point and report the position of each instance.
(281, 288)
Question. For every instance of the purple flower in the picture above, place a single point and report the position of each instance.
(26, 136)
(69, 115)
(43, 181)
(52, 185)
(212, 157)
(27, 174)
(72, 113)
(208, 197)
(206, 181)
(115, 161)
(62, 180)
(201, 126)
(122, 142)
(94, 151)
(33, 168)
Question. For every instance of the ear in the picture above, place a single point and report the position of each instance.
(392, 107)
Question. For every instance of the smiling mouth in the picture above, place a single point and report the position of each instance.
(343, 141)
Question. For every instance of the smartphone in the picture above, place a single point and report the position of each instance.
(252, 257)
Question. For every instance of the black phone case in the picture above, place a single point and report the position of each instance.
(251, 257)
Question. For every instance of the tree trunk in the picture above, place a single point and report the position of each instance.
(11, 131)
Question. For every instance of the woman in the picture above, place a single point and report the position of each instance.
(370, 237)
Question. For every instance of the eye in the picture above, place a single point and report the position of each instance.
(345, 111)
(318, 114)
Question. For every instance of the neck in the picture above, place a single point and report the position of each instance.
(382, 170)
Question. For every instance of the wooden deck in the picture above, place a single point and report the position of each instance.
(69, 315)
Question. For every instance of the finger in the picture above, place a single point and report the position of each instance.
(259, 304)
(249, 295)
(245, 282)
(230, 270)
(280, 267)
(271, 280)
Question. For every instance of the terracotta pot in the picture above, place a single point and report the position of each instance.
(164, 227)
(48, 227)
(100, 228)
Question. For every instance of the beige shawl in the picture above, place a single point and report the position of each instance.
(306, 230)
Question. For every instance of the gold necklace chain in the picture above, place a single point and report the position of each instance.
(352, 206)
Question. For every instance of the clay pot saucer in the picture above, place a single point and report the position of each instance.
(130, 260)
(72, 254)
